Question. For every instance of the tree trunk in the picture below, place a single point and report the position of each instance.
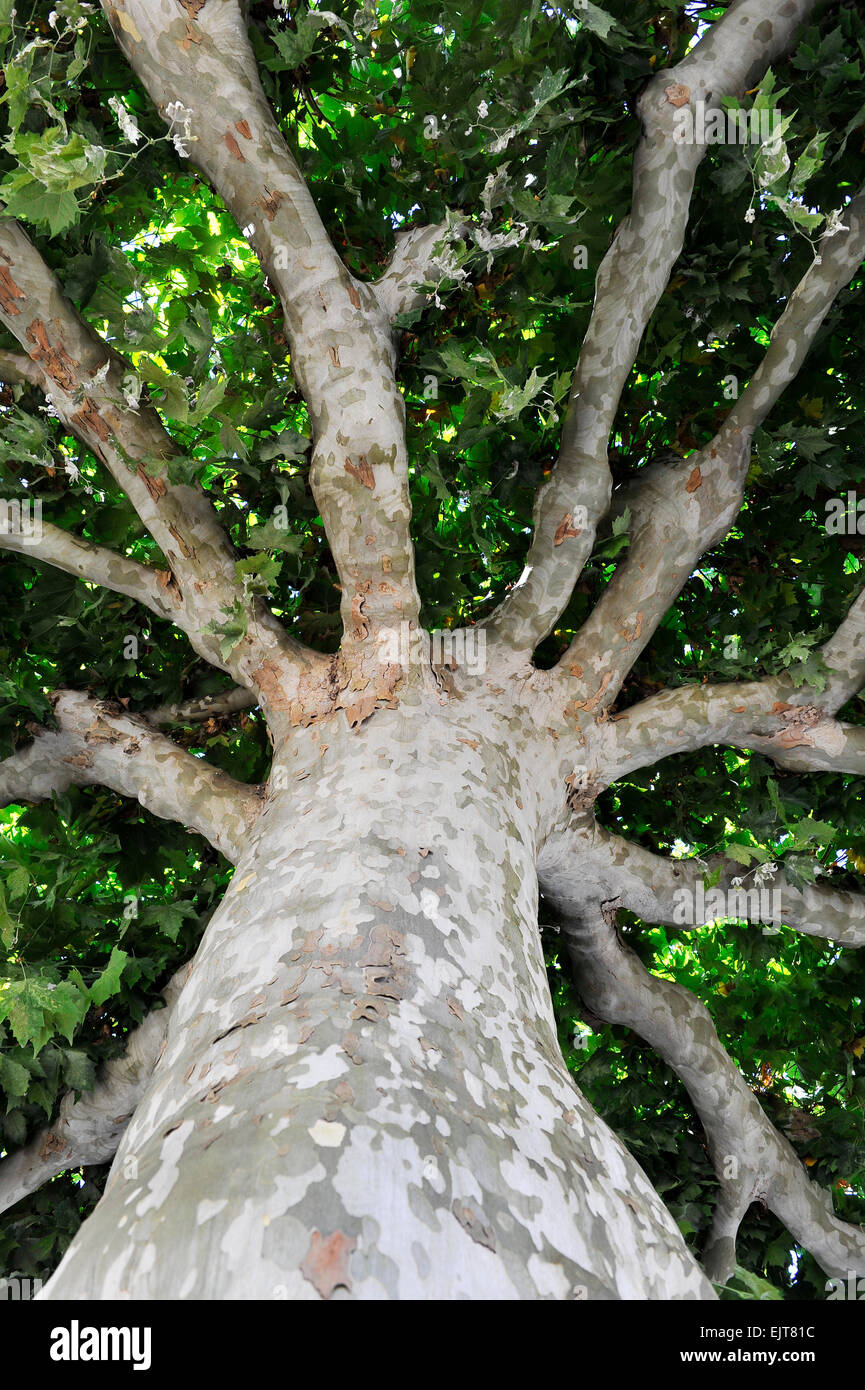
(361, 1091)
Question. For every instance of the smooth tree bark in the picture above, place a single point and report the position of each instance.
(357, 1089)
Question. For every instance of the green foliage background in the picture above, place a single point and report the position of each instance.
(522, 118)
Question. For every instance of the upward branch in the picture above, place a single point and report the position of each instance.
(629, 283)
(342, 352)
(83, 377)
(679, 512)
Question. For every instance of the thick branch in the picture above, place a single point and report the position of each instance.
(679, 512)
(70, 359)
(592, 862)
(342, 352)
(89, 1129)
(629, 283)
(97, 565)
(769, 716)
(207, 707)
(97, 744)
(753, 1160)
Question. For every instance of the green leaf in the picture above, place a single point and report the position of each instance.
(14, 1079)
(108, 982)
(744, 854)
(258, 573)
(31, 201)
(8, 924)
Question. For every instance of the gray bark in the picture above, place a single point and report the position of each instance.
(361, 1090)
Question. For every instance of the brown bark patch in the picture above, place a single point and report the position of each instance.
(473, 1224)
(694, 481)
(168, 582)
(55, 359)
(354, 296)
(9, 292)
(155, 486)
(677, 94)
(88, 418)
(362, 471)
(82, 759)
(193, 7)
(269, 202)
(798, 719)
(596, 698)
(190, 37)
(185, 548)
(334, 355)
(582, 792)
(360, 624)
(233, 147)
(362, 709)
(638, 628)
(52, 1144)
(268, 681)
(565, 529)
(325, 1264)
(242, 127)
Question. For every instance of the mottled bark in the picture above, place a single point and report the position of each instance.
(361, 1091)
(98, 743)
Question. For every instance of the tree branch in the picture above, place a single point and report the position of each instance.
(89, 1129)
(679, 512)
(628, 285)
(591, 863)
(155, 589)
(769, 716)
(754, 1161)
(421, 255)
(342, 352)
(97, 744)
(207, 707)
(71, 360)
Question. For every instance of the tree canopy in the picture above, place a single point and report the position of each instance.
(511, 127)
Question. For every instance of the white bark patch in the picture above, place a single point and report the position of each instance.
(329, 1136)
